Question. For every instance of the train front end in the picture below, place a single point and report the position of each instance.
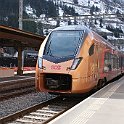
(58, 61)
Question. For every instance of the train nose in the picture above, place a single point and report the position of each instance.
(60, 68)
(58, 81)
(63, 67)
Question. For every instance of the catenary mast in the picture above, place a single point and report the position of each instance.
(20, 14)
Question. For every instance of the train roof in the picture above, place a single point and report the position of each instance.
(72, 27)
(104, 40)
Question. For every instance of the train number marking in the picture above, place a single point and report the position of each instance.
(55, 67)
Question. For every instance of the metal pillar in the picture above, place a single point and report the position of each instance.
(20, 14)
(19, 71)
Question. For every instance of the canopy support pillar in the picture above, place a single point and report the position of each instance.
(20, 70)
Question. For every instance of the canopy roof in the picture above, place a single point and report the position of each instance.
(14, 37)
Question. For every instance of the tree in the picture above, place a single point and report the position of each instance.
(75, 1)
(51, 9)
(97, 9)
(69, 22)
(75, 21)
(40, 28)
(95, 22)
(88, 2)
(13, 21)
(58, 23)
(29, 26)
(101, 21)
(9, 12)
(92, 9)
(118, 13)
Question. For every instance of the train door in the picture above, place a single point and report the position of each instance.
(96, 61)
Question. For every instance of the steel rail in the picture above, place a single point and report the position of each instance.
(41, 113)
(16, 92)
(23, 112)
(13, 88)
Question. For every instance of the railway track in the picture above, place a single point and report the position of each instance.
(15, 88)
(41, 113)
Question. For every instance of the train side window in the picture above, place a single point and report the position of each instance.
(122, 61)
(108, 62)
(91, 50)
(115, 62)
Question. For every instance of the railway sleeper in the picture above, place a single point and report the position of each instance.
(48, 111)
(36, 117)
(28, 121)
(42, 114)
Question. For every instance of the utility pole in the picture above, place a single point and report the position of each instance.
(20, 49)
(20, 14)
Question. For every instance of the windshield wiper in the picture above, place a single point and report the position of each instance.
(48, 50)
(79, 43)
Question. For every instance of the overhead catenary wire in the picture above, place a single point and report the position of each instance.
(94, 16)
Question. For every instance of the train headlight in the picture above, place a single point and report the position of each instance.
(40, 62)
(76, 62)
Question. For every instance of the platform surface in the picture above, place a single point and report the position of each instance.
(104, 107)
(26, 74)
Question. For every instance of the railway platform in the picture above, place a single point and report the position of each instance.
(26, 74)
(104, 107)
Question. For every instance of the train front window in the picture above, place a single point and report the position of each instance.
(63, 43)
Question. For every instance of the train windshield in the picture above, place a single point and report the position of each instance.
(63, 43)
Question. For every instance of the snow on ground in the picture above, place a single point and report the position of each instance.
(104, 9)
(30, 11)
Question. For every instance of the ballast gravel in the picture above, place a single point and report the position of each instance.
(13, 105)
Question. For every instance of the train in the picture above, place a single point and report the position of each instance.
(75, 60)
(28, 56)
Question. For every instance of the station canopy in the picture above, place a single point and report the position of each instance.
(11, 37)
